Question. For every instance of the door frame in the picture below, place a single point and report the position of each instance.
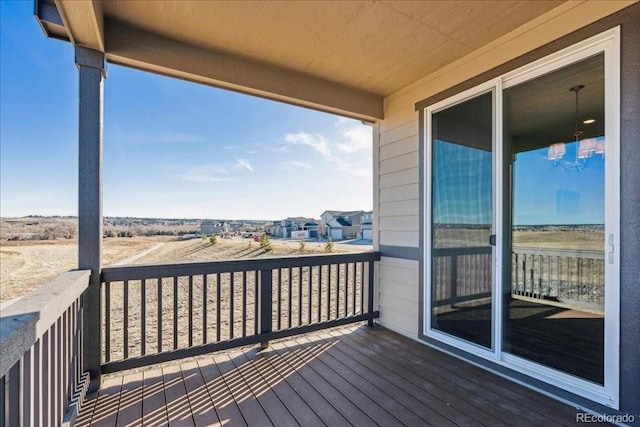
(487, 87)
(608, 43)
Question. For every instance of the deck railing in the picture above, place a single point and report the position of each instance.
(574, 278)
(41, 373)
(461, 274)
(156, 313)
(570, 276)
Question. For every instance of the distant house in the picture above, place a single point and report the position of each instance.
(272, 228)
(208, 228)
(343, 224)
(366, 226)
(339, 228)
(298, 228)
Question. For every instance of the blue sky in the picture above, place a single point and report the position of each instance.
(171, 148)
(548, 193)
(545, 192)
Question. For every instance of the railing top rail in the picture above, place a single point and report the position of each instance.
(477, 250)
(26, 320)
(138, 272)
(569, 253)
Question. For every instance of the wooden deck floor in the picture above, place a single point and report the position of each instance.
(357, 376)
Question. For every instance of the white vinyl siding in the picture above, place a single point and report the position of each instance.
(398, 186)
(398, 293)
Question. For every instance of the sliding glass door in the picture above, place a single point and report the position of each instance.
(522, 219)
(555, 289)
(461, 220)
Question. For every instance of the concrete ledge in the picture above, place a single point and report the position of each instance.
(26, 320)
(17, 335)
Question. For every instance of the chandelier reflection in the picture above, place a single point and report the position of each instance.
(584, 149)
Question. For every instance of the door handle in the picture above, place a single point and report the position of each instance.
(492, 240)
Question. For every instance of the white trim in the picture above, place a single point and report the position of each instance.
(498, 191)
(461, 97)
(426, 308)
(584, 49)
(482, 89)
(612, 216)
(609, 43)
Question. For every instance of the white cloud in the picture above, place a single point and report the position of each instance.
(244, 164)
(362, 170)
(317, 142)
(358, 137)
(353, 137)
(293, 164)
(203, 178)
(205, 174)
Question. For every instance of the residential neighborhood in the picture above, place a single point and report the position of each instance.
(334, 224)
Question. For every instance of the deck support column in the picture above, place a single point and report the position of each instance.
(91, 67)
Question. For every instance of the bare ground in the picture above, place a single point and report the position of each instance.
(27, 265)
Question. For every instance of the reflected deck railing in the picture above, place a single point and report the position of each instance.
(568, 277)
(564, 275)
(42, 380)
(157, 313)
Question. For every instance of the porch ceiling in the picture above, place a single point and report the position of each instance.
(339, 56)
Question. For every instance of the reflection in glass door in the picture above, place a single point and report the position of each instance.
(461, 220)
(554, 291)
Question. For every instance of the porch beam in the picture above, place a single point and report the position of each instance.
(83, 21)
(91, 69)
(136, 48)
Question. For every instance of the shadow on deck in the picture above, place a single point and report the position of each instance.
(351, 376)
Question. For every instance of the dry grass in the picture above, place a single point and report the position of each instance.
(27, 265)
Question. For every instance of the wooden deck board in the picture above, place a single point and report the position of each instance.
(356, 376)
(424, 404)
(352, 413)
(382, 392)
(154, 403)
(536, 403)
(226, 407)
(130, 408)
(317, 403)
(472, 393)
(178, 410)
(202, 408)
(261, 391)
(105, 413)
(377, 413)
(252, 412)
(297, 407)
(468, 404)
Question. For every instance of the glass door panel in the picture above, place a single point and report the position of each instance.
(461, 220)
(554, 284)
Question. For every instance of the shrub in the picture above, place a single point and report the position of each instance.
(265, 243)
(302, 246)
(328, 247)
(213, 239)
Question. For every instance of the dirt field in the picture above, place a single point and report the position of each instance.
(546, 238)
(26, 265)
